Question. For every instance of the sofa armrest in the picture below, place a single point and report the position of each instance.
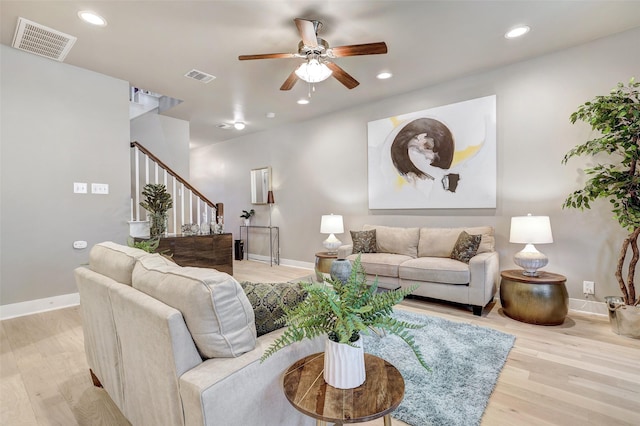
(484, 271)
(344, 251)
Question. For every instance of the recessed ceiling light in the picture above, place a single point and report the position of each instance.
(239, 125)
(271, 115)
(303, 101)
(517, 31)
(92, 18)
(384, 75)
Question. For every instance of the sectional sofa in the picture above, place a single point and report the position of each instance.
(177, 346)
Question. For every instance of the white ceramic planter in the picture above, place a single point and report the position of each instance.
(344, 364)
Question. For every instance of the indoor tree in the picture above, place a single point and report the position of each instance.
(616, 117)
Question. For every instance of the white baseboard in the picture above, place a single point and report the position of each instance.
(588, 306)
(285, 262)
(39, 305)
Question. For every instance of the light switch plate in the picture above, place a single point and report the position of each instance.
(79, 187)
(100, 188)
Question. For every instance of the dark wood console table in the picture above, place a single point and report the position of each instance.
(205, 251)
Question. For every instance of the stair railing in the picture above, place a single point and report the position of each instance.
(189, 205)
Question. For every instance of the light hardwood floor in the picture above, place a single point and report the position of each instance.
(579, 373)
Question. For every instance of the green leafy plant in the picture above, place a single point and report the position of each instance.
(616, 117)
(247, 214)
(149, 246)
(157, 199)
(342, 311)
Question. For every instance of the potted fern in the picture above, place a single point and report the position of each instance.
(342, 311)
(616, 117)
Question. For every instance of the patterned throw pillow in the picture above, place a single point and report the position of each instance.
(364, 241)
(466, 247)
(267, 298)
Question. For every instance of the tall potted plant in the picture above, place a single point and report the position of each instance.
(157, 202)
(341, 311)
(616, 117)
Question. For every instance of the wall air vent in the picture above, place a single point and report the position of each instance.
(40, 40)
(200, 76)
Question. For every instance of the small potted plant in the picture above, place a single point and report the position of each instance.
(342, 311)
(616, 117)
(157, 202)
(247, 216)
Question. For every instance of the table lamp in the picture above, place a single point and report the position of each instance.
(271, 201)
(331, 224)
(530, 230)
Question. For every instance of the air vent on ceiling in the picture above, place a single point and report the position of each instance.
(200, 76)
(40, 40)
(224, 126)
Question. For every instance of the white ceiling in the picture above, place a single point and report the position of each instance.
(152, 44)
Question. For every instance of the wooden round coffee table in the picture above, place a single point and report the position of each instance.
(378, 396)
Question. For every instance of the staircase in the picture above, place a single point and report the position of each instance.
(189, 205)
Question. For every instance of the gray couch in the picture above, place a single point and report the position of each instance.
(408, 256)
(177, 346)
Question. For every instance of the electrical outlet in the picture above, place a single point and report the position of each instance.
(588, 287)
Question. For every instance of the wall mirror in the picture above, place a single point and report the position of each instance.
(260, 185)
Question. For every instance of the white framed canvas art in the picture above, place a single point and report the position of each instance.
(440, 158)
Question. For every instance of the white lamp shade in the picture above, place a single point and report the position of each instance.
(331, 224)
(313, 71)
(530, 230)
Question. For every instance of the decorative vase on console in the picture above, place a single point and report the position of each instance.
(157, 202)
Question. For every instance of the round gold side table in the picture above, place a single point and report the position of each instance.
(541, 300)
(324, 259)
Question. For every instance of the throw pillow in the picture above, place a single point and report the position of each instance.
(466, 247)
(364, 241)
(267, 300)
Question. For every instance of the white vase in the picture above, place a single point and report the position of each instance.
(247, 222)
(344, 364)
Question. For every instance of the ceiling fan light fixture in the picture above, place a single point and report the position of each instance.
(384, 75)
(239, 125)
(302, 101)
(313, 71)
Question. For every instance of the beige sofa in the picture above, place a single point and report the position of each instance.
(408, 256)
(177, 346)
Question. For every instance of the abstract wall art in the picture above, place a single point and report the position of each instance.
(440, 158)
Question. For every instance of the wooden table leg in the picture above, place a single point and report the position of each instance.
(387, 420)
(321, 423)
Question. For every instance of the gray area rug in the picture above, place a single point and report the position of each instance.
(465, 360)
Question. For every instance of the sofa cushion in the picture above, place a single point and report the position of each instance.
(466, 247)
(436, 270)
(383, 264)
(364, 241)
(114, 260)
(267, 300)
(439, 242)
(215, 309)
(396, 240)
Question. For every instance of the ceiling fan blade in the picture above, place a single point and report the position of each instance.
(360, 49)
(290, 81)
(342, 76)
(307, 32)
(267, 56)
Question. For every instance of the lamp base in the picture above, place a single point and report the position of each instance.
(332, 244)
(530, 259)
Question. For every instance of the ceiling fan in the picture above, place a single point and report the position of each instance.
(316, 51)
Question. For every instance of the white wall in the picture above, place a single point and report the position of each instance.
(166, 137)
(60, 124)
(320, 166)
